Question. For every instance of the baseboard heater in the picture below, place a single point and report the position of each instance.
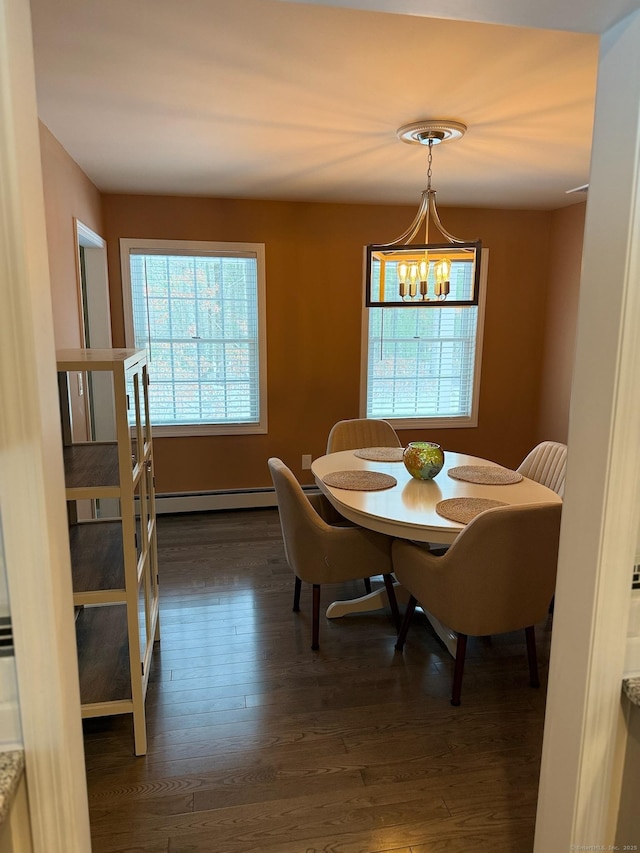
(223, 499)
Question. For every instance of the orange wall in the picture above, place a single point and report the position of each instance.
(314, 306)
(560, 325)
(314, 298)
(68, 193)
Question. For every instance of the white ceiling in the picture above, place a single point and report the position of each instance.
(301, 101)
(578, 16)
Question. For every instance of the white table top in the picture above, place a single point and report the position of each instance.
(408, 509)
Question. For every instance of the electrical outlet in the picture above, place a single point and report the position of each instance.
(306, 461)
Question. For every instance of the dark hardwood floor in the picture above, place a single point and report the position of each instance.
(259, 745)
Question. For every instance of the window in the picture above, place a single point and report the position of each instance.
(199, 310)
(421, 366)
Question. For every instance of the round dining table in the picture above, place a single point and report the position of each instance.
(406, 509)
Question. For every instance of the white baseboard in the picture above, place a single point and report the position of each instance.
(208, 501)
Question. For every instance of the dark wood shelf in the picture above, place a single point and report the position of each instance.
(91, 466)
(97, 556)
(103, 654)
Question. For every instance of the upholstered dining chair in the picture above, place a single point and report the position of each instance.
(361, 432)
(498, 576)
(546, 464)
(319, 552)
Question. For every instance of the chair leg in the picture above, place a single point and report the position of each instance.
(315, 645)
(296, 595)
(534, 681)
(367, 585)
(402, 635)
(461, 651)
(393, 603)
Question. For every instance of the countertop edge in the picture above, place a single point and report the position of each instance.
(11, 769)
(631, 687)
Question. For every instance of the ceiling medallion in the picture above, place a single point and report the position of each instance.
(435, 131)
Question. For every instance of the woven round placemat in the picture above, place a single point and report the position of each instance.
(465, 510)
(490, 475)
(360, 481)
(380, 454)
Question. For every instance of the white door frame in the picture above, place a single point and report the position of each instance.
(95, 311)
(97, 304)
(584, 733)
(31, 474)
(97, 328)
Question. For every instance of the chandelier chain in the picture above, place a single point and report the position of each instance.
(429, 164)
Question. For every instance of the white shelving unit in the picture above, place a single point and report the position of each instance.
(114, 559)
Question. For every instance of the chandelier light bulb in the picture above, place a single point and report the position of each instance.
(413, 279)
(424, 275)
(403, 272)
(442, 273)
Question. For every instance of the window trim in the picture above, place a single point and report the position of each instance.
(431, 423)
(201, 247)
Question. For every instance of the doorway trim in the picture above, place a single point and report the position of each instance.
(584, 735)
(32, 491)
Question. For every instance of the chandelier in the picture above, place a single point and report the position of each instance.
(402, 273)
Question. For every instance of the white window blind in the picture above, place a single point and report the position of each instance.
(422, 363)
(197, 314)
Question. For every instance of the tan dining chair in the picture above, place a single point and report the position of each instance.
(546, 464)
(498, 576)
(361, 432)
(319, 552)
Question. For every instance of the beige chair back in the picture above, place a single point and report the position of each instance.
(547, 464)
(318, 552)
(361, 432)
(498, 576)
